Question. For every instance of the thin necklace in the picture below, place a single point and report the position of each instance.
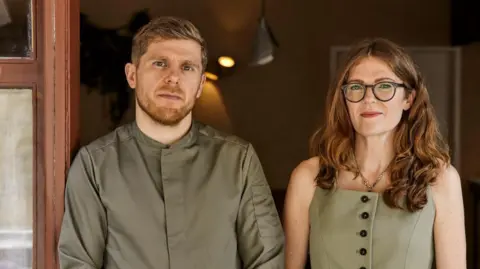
(365, 181)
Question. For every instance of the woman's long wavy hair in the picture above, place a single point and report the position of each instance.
(420, 151)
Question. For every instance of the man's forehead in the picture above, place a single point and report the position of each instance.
(178, 47)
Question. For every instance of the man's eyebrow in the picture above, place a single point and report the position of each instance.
(191, 63)
(156, 56)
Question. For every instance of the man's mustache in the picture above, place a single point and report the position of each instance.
(171, 90)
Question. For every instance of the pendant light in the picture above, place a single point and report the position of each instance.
(265, 42)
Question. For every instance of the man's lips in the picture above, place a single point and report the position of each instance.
(169, 96)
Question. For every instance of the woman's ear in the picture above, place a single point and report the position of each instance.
(409, 100)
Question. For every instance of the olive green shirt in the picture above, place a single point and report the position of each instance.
(203, 202)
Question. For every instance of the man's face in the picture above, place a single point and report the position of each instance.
(167, 80)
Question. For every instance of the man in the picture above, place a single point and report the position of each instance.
(167, 191)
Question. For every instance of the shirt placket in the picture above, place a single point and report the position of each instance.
(174, 211)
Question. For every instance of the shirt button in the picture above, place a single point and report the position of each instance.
(365, 215)
(364, 198)
(363, 233)
(363, 252)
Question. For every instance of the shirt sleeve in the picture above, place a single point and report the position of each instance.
(84, 225)
(259, 230)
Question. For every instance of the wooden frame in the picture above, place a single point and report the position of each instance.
(61, 65)
(455, 115)
(52, 72)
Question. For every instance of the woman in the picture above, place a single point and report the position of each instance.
(380, 191)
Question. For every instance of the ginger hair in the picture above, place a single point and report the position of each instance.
(420, 151)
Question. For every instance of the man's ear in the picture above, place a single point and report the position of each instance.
(409, 100)
(131, 75)
(202, 83)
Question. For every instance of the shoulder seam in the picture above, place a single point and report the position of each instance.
(111, 142)
(225, 139)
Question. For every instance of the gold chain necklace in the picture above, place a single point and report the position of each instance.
(365, 181)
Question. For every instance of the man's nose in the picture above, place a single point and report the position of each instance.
(172, 77)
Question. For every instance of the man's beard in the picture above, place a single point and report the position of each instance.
(164, 115)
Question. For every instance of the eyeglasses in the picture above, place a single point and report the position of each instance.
(383, 91)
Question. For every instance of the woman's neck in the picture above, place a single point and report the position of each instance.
(374, 153)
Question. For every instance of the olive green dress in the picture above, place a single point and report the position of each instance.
(355, 229)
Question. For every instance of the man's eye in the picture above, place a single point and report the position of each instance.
(159, 63)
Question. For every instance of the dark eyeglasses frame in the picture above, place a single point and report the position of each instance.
(366, 86)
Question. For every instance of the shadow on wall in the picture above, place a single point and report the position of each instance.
(210, 108)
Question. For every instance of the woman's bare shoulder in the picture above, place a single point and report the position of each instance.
(448, 185)
(301, 189)
(304, 175)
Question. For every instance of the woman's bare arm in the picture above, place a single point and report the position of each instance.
(449, 227)
(299, 194)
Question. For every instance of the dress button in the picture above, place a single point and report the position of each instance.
(365, 199)
(363, 233)
(363, 252)
(365, 215)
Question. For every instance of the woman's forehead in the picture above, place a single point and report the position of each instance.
(370, 70)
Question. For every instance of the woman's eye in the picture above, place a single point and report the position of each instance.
(384, 86)
(355, 87)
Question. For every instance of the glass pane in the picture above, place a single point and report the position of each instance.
(16, 28)
(16, 178)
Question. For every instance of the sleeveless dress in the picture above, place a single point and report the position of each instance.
(356, 229)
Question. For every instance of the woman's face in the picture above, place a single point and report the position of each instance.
(375, 97)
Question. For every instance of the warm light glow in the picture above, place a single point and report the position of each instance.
(226, 61)
(210, 108)
(211, 76)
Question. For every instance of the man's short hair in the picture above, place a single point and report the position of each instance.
(167, 28)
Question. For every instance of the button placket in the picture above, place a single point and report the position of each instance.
(363, 233)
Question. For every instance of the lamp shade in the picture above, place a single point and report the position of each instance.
(264, 44)
(5, 17)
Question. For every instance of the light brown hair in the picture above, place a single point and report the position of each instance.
(420, 150)
(167, 28)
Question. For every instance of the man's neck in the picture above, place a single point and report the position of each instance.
(164, 134)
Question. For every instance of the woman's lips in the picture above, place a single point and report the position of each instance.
(370, 114)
